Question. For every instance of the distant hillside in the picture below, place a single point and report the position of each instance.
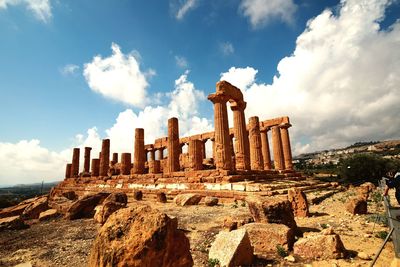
(12, 195)
(387, 149)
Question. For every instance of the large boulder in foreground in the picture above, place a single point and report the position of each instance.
(271, 210)
(232, 248)
(140, 236)
(298, 202)
(84, 207)
(265, 237)
(187, 199)
(111, 204)
(324, 245)
(12, 223)
(357, 206)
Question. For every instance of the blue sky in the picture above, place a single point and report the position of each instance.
(73, 72)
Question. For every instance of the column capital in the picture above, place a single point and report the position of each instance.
(218, 98)
(265, 129)
(238, 105)
(285, 125)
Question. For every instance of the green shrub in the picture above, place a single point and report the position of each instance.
(379, 219)
(381, 234)
(281, 251)
(213, 262)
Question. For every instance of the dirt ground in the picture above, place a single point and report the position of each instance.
(67, 243)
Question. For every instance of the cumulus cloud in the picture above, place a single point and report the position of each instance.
(340, 85)
(41, 9)
(69, 69)
(182, 7)
(118, 77)
(181, 62)
(260, 12)
(226, 48)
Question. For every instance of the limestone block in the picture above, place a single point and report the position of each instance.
(187, 199)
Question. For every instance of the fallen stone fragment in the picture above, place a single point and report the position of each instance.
(138, 195)
(112, 203)
(84, 207)
(140, 236)
(232, 248)
(187, 199)
(320, 246)
(271, 210)
(298, 202)
(48, 214)
(357, 206)
(364, 256)
(161, 197)
(264, 237)
(211, 201)
(35, 208)
(12, 223)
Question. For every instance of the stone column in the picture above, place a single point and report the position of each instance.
(160, 153)
(232, 151)
(195, 155)
(173, 145)
(68, 170)
(256, 159)
(223, 159)
(154, 166)
(95, 167)
(114, 158)
(139, 155)
(86, 165)
(105, 157)
(242, 147)
(265, 148)
(75, 163)
(213, 148)
(152, 154)
(203, 148)
(287, 151)
(277, 148)
(126, 163)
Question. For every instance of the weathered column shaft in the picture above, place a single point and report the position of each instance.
(139, 155)
(160, 153)
(68, 170)
(152, 155)
(277, 148)
(223, 158)
(114, 158)
(105, 157)
(195, 155)
(242, 147)
(213, 148)
(95, 167)
(173, 145)
(256, 159)
(154, 166)
(287, 151)
(265, 150)
(86, 164)
(126, 163)
(75, 163)
(203, 149)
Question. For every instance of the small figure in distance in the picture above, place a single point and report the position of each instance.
(393, 182)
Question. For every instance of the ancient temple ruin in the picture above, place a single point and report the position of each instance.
(241, 157)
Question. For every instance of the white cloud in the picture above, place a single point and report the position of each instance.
(69, 69)
(340, 85)
(181, 62)
(226, 48)
(118, 77)
(182, 7)
(41, 9)
(260, 12)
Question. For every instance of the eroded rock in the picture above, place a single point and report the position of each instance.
(112, 203)
(211, 201)
(298, 202)
(35, 208)
(84, 207)
(187, 199)
(232, 248)
(12, 223)
(357, 206)
(140, 236)
(48, 214)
